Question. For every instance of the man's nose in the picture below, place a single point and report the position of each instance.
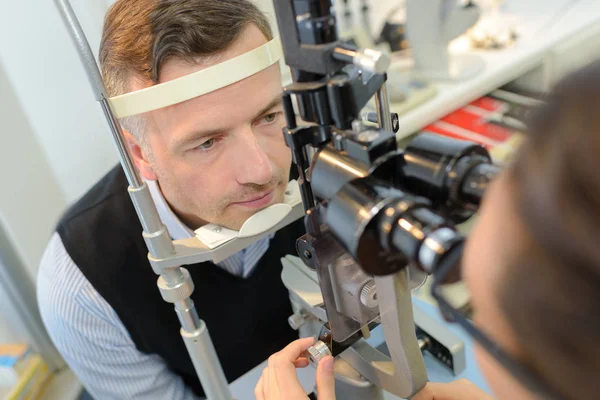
(253, 164)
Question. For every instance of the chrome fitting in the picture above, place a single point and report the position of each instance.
(180, 291)
(317, 352)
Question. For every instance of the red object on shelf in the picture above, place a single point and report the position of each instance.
(470, 123)
(490, 104)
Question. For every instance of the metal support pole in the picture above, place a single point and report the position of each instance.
(382, 102)
(206, 362)
(115, 128)
(195, 336)
(175, 283)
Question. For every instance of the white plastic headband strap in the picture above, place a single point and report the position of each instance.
(198, 83)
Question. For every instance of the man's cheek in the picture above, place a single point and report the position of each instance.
(284, 156)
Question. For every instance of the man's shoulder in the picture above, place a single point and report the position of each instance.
(102, 223)
(110, 189)
(61, 286)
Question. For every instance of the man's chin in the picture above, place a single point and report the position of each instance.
(238, 221)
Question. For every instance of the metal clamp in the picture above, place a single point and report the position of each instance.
(179, 292)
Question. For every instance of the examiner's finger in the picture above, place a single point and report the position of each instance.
(301, 362)
(258, 389)
(325, 379)
(266, 383)
(282, 368)
(295, 349)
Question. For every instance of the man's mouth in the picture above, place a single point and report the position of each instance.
(257, 201)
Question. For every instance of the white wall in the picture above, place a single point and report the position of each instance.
(30, 198)
(42, 65)
(53, 141)
(30, 195)
(6, 333)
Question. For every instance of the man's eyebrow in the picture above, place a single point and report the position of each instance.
(197, 135)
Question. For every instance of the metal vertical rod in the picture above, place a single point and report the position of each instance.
(83, 48)
(196, 337)
(305, 188)
(188, 317)
(301, 157)
(159, 242)
(172, 276)
(117, 133)
(95, 78)
(382, 101)
(310, 154)
(206, 363)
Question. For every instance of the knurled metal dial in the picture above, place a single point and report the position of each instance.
(181, 291)
(368, 295)
(317, 352)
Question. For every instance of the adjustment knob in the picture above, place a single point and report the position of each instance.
(368, 295)
(372, 60)
(296, 321)
(317, 352)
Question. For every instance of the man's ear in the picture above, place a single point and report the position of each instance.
(140, 158)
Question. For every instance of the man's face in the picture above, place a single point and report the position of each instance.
(221, 157)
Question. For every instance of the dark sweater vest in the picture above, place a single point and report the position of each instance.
(246, 318)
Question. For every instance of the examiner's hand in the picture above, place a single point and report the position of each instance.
(279, 380)
(461, 389)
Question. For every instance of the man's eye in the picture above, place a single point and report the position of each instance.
(271, 117)
(207, 145)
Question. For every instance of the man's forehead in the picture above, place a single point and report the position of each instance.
(182, 80)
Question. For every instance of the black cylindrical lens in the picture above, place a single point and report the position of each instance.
(412, 228)
(429, 160)
(451, 173)
(331, 170)
(476, 182)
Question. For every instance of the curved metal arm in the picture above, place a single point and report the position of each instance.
(95, 78)
(403, 374)
(83, 48)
